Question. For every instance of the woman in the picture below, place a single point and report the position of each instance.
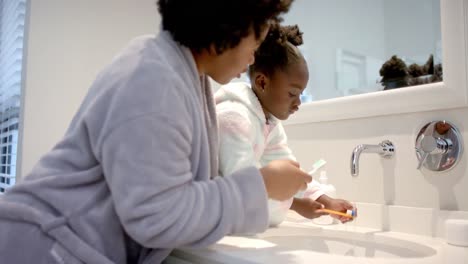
(135, 174)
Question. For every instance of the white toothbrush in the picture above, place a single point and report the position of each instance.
(317, 165)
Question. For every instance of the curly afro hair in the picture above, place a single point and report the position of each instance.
(394, 68)
(278, 50)
(198, 24)
(415, 70)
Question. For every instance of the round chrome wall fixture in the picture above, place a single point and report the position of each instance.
(438, 146)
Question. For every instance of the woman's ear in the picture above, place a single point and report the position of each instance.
(212, 50)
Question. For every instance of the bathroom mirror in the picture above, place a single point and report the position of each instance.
(348, 42)
(361, 46)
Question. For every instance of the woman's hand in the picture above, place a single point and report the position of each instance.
(284, 178)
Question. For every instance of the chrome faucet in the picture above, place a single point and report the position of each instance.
(385, 149)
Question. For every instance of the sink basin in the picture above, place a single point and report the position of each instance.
(299, 241)
(345, 243)
(296, 243)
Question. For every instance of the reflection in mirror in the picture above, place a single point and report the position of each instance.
(361, 46)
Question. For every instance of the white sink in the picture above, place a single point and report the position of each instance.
(416, 238)
(344, 243)
(297, 243)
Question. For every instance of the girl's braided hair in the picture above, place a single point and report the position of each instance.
(278, 51)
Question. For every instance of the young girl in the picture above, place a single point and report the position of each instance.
(249, 117)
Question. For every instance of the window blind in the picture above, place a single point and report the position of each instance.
(12, 20)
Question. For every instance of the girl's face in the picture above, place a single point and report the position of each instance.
(282, 90)
(233, 62)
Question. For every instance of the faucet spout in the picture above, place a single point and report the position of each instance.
(385, 149)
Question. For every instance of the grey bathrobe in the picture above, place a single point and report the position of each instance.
(134, 175)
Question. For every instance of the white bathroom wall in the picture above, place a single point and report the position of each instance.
(393, 181)
(68, 43)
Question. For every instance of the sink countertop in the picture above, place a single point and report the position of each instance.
(298, 240)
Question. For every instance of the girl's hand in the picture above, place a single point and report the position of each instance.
(307, 207)
(337, 205)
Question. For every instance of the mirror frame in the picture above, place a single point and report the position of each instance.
(451, 93)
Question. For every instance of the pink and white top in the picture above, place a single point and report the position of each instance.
(247, 139)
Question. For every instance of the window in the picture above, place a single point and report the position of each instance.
(12, 20)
